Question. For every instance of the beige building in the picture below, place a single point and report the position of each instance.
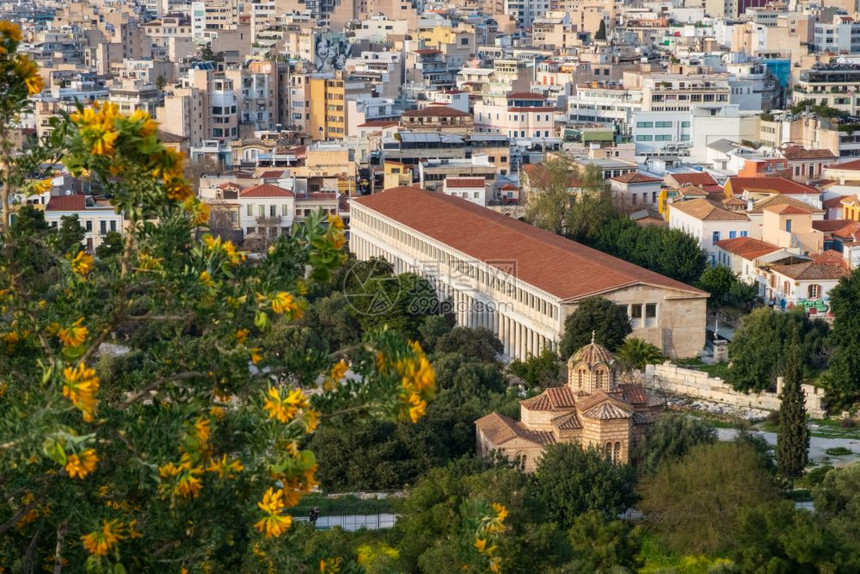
(514, 279)
(592, 410)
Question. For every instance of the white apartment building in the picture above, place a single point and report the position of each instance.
(97, 220)
(606, 104)
(841, 36)
(514, 279)
(708, 223)
(655, 132)
(266, 209)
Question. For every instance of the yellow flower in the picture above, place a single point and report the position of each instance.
(417, 408)
(284, 409)
(274, 524)
(335, 221)
(339, 371)
(188, 485)
(225, 469)
(168, 470)
(10, 30)
(480, 544)
(101, 541)
(82, 264)
(339, 241)
(330, 566)
(147, 262)
(218, 412)
(198, 209)
(202, 430)
(311, 420)
(29, 71)
(242, 336)
(148, 126)
(256, 357)
(501, 511)
(283, 302)
(133, 532)
(82, 465)
(42, 186)
(206, 279)
(73, 336)
(102, 141)
(177, 189)
(81, 385)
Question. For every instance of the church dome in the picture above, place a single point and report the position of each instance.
(593, 354)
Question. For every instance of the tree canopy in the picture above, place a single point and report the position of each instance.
(598, 316)
(843, 379)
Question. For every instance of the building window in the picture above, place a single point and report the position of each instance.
(616, 452)
(598, 379)
(102, 227)
(250, 210)
(635, 315)
(788, 225)
(814, 291)
(715, 236)
(580, 375)
(650, 314)
(743, 233)
(733, 234)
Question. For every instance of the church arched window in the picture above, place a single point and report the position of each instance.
(580, 375)
(598, 379)
(607, 451)
(616, 453)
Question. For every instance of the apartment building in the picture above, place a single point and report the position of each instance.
(834, 85)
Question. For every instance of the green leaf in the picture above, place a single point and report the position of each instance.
(53, 449)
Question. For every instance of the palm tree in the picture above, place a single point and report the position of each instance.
(635, 354)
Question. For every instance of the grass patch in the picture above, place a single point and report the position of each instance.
(717, 370)
(839, 451)
(659, 560)
(342, 505)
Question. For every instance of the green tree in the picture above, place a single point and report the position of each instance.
(111, 245)
(670, 438)
(792, 441)
(430, 521)
(603, 546)
(778, 538)
(843, 379)
(695, 504)
(432, 329)
(636, 354)
(601, 31)
(160, 82)
(550, 199)
(837, 504)
(598, 316)
(726, 288)
(191, 454)
(541, 371)
(477, 343)
(762, 340)
(572, 480)
(70, 235)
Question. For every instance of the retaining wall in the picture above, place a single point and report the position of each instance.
(697, 384)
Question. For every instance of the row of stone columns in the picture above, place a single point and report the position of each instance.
(519, 340)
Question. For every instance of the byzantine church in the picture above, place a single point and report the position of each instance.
(592, 410)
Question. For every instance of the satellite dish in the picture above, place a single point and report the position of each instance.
(68, 192)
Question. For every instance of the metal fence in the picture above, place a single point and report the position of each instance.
(353, 522)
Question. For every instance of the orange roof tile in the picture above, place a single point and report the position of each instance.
(67, 203)
(554, 264)
(747, 247)
(770, 185)
(266, 190)
(704, 210)
(693, 178)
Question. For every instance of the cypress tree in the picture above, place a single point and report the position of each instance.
(601, 31)
(792, 441)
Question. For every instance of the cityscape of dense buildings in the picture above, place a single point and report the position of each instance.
(522, 158)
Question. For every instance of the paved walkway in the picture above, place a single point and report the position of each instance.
(817, 447)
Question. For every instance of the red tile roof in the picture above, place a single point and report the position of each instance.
(635, 177)
(378, 124)
(747, 247)
(812, 270)
(552, 399)
(558, 266)
(499, 429)
(524, 96)
(271, 174)
(694, 178)
(476, 182)
(770, 185)
(532, 109)
(853, 165)
(789, 209)
(67, 203)
(436, 112)
(266, 190)
(794, 153)
(705, 210)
